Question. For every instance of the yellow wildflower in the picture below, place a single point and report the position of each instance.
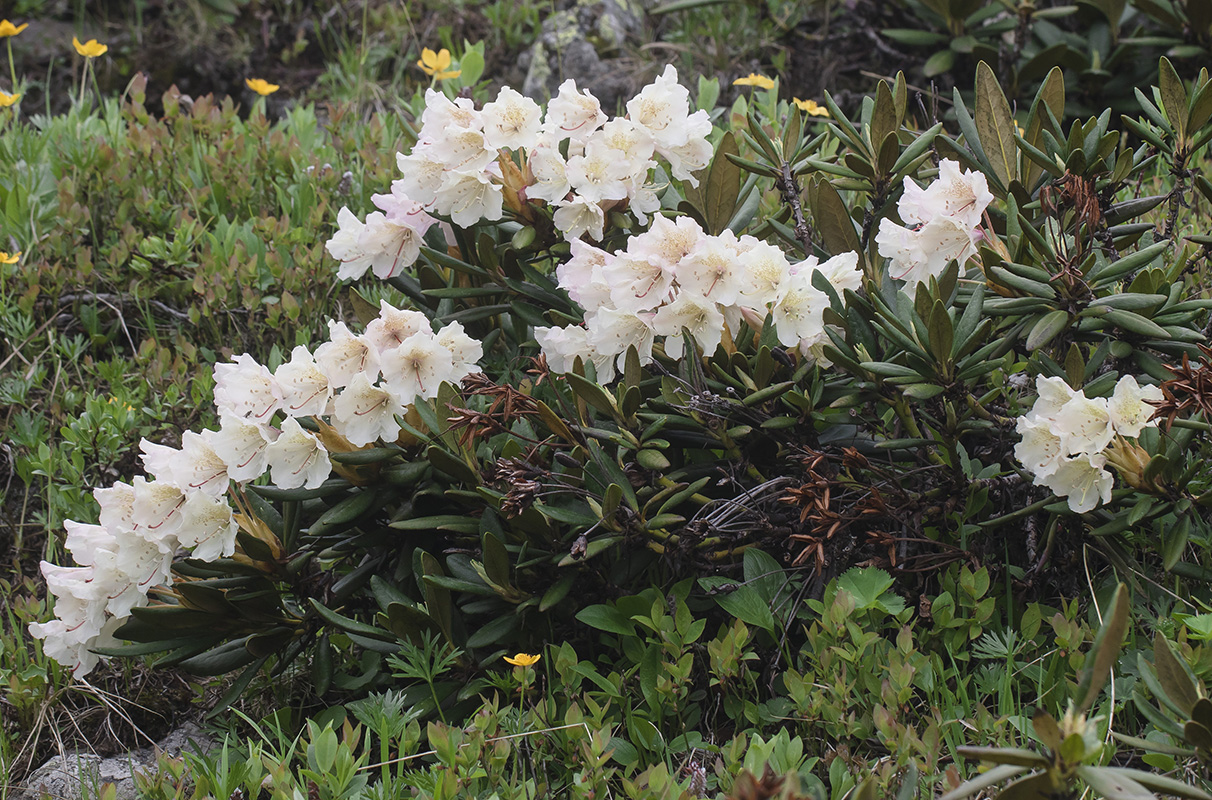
(438, 64)
(7, 99)
(523, 660)
(261, 87)
(811, 107)
(9, 29)
(5, 258)
(753, 79)
(90, 49)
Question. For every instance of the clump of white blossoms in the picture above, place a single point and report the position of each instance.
(942, 224)
(471, 164)
(353, 385)
(676, 277)
(1068, 437)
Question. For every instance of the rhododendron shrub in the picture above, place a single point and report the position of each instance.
(343, 395)
(603, 348)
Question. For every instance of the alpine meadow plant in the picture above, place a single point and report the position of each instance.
(670, 345)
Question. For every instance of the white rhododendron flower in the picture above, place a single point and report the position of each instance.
(156, 510)
(387, 242)
(393, 325)
(469, 197)
(1041, 448)
(573, 115)
(464, 351)
(579, 216)
(712, 269)
(583, 278)
(663, 109)
(85, 542)
(942, 224)
(345, 356)
(247, 389)
(963, 196)
(422, 177)
(799, 313)
(512, 120)
(305, 387)
(364, 412)
(696, 314)
(1084, 424)
(842, 272)
(79, 598)
(561, 346)
(117, 506)
(766, 272)
(441, 114)
(297, 458)
(241, 444)
(208, 526)
(199, 468)
(598, 175)
(418, 367)
(1129, 406)
(1053, 394)
(637, 283)
(688, 158)
(1066, 437)
(345, 246)
(1082, 480)
(464, 152)
(550, 172)
(629, 143)
(194, 467)
(923, 253)
(612, 332)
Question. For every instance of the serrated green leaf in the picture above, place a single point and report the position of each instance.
(743, 602)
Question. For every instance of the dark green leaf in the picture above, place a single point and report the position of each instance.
(1104, 652)
(996, 125)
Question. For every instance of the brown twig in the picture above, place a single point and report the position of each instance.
(790, 188)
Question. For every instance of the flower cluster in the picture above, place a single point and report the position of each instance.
(468, 163)
(943, 224)
(675, 277)
(1068, 438)
(352, 388)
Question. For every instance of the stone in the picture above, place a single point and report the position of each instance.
(583, 40)
(76, 775)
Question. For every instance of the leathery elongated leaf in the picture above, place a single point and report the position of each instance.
(1113, 785)
(723, 187)
(1162, 784)
(1174, 680)
(833, 220)
(1051, 95)
(1173, 97)
(995, 125)
(984, 781)
(1105, 650)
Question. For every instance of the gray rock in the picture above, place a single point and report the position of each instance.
(583, 41)
(78, 775)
